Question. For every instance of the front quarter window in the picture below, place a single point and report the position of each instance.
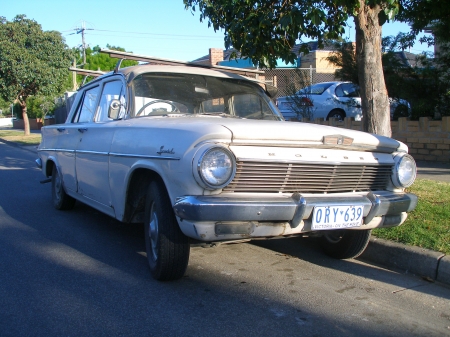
(113, 90)
(86, 110)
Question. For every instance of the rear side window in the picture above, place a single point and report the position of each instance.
(316, 89)
(347, 90)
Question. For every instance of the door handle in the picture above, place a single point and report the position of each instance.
(82, 130)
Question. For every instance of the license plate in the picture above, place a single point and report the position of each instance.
(335, 217)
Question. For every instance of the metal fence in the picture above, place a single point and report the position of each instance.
(291, 80)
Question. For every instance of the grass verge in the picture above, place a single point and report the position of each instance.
(20, 138)
(428, 226)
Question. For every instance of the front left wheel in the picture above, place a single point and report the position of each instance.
(166, 245)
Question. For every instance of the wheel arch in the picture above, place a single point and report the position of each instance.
(340, 110)
(136, 193)
(49, 163)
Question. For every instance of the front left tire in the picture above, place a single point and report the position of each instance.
(166, 246)
(345, 244)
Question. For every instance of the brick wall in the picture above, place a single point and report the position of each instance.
(426, 139)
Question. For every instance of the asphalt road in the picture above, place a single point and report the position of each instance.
(81, 273)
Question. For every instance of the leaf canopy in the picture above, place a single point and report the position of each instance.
(31, 61)
(265, 30)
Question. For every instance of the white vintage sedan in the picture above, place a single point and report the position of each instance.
(203, 156)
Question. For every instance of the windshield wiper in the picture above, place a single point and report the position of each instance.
(221, 114)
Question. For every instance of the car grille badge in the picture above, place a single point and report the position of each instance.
(337, 140)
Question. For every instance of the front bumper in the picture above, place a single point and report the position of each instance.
(231, 216)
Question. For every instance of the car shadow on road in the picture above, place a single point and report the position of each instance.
(308, 249)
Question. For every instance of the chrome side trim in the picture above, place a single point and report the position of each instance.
(56, 150)
(112, 154)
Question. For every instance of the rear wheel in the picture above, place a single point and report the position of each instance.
(345, 244)
(166, 245)
(60, 199)
(336, 113)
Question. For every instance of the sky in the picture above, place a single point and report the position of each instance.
(158, 28)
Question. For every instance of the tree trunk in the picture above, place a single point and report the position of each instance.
(26, 122)
(374, 97)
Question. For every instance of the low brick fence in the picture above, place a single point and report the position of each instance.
(426, 139)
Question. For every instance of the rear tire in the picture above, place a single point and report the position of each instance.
(339, 114)
(166, 245)
(345, 244)
(61, 200)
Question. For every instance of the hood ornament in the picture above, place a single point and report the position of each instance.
(337, 140)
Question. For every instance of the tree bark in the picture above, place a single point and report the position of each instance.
(374, 97)
(26, 122)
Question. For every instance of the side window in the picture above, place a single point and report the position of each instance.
(347, 90)
(86, 110)
(111, 90)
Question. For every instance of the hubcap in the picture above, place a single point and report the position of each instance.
(153, 234)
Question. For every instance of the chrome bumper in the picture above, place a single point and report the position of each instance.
(236, 217)
(294, 209)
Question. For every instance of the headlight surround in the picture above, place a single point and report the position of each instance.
(405, 171)
(216, 167)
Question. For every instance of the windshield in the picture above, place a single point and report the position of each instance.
(170, 93)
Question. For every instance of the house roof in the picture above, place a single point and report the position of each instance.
(407, 59)
(313, 46)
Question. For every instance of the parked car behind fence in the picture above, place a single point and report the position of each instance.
(332, 100)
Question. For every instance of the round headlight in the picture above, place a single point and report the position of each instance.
(216, 167)
(405, 171)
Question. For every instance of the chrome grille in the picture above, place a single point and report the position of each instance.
(266, 177)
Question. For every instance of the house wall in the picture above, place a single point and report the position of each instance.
(426, 139)
(317, 59)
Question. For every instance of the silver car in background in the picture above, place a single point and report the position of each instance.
(333, 100)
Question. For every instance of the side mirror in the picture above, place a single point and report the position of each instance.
(114, 109)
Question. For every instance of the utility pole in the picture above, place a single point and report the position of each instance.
(83, 41)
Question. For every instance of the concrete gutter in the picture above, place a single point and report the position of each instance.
(425, 263)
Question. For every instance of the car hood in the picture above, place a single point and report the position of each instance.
(298, 134)
(270, 133)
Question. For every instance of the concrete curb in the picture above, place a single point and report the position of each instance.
(443, 273)
(415, 260)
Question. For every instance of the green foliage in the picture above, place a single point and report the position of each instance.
(265, 30)
(427, 226)
(100, 61)
(37, 107)
(422, 14)
(5, 107)
(32, 61)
